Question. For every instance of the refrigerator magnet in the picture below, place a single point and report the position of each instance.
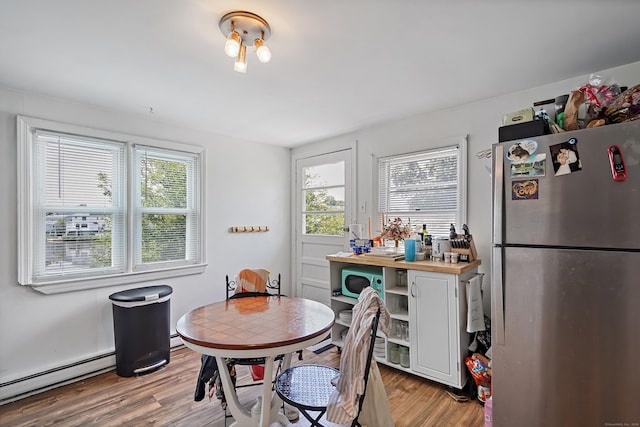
(534, 165)
(524, 190)
(521, 150)
(565, 157)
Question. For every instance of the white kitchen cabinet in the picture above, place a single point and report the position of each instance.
(439, 343)
(431, 305)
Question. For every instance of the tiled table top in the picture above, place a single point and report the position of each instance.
(255, 323)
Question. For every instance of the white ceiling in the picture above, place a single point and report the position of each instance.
(338, 65)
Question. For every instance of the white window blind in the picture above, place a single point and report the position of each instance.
(423, 188)
(166, 208)
(97, 208)
(79, 206)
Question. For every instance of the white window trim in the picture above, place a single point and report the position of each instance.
(25, 127)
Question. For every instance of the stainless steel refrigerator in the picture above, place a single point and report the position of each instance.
(566, 279)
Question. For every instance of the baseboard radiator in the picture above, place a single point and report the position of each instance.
(20, 388)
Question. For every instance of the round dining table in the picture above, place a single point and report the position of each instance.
(256, 326)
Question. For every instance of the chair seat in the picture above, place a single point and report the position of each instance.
(307, 386)
(255, 360)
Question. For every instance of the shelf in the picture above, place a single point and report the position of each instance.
(398, 290)
(347, 300)
(398, 341)
(343, 323)
(437, 321)
(400, 316)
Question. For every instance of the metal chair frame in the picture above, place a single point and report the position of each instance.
(272, 285)
(272, 289)
(284, 386)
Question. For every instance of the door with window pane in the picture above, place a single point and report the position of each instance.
(323, 201)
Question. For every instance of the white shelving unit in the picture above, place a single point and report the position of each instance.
(432, 292)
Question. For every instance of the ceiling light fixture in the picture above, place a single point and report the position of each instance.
(241, 61)
(232, 46)
(244, 29)
(262, 51)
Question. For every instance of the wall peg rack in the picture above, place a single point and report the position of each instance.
(249, 229)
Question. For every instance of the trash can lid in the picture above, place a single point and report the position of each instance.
(148, 293)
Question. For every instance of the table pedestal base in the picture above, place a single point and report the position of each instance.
(269, 413)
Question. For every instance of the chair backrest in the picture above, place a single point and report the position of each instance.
(372, 341)
(257, 279)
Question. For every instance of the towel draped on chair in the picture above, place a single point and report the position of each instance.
(252, 280)
(350, 384)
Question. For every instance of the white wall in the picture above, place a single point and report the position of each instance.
(480, 121)
(247, 184)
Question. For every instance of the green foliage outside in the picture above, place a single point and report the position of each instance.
(163, 185)
(325, 214)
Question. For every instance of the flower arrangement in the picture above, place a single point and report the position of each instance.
(396, 230)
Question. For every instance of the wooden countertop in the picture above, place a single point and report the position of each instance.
(435, 266)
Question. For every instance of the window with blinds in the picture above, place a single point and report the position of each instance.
(95, 207)
(79, 206)
(166, 209)
(423, 188)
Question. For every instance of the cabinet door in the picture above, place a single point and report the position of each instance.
(433, 318)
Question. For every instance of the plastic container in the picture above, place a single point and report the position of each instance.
(410, 250)
(401, 278)
(404, 357)
(488, 412)
(394, 354)
(141, 329)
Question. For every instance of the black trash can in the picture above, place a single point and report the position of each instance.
(141, 329)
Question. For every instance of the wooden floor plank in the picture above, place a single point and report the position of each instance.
(166, 398)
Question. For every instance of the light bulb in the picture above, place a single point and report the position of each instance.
(232, 46)
(241, 61)
(262, 51)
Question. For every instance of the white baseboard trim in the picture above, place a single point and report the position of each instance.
(45, 381)
(41, 382)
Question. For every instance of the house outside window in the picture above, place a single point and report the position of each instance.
(99, 208)
(427, 188)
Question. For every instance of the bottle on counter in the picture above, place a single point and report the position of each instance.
(426, 237)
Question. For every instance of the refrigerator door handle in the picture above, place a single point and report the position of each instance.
(497, 297)
(497, 159)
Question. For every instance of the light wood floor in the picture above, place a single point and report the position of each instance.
(165, 398)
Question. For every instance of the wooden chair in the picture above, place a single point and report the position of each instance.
(309, 387)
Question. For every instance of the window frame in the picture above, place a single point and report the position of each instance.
(26, 127)
(324, 187)
(459, 143)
